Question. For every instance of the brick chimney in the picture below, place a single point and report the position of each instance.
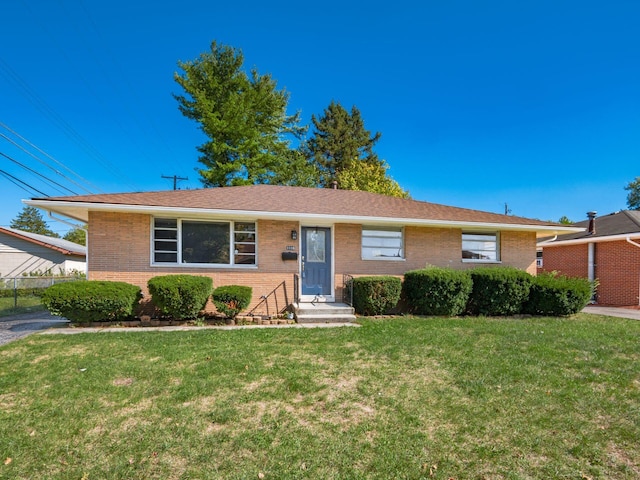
(592, 222)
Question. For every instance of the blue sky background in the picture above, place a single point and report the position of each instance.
(532, 104)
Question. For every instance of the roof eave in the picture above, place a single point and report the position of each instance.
(590, 239)
(79, 211)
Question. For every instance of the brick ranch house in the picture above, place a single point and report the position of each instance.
(303, 239)
(608, 250)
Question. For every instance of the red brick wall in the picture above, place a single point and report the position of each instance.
(120, 249)
(617, 269)
(570, 260)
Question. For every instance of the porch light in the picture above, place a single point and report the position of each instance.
(294, 234)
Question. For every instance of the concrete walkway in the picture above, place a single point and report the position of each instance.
(19, 326)
(613, 312)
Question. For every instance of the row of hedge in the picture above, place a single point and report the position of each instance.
(176, 296)
(481, 291)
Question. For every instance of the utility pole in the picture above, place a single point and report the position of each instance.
(175, 180)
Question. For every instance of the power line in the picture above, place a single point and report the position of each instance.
(17, 181)
(56, 119)
(45, 164)
(87, 182)
(46, 179)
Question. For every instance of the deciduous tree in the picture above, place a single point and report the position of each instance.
(245, 118)
(76, 235)
(633, 197)
(370, 177)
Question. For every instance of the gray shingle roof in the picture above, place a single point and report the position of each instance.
(616, 223)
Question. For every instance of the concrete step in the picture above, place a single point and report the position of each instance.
(324, 313)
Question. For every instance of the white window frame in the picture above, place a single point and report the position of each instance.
(376, 239)
(178, 229)
(488, 235)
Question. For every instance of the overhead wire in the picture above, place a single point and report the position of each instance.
(105, 46)
(42, 161)
(55, 118)
(17, 181)
(45, 178)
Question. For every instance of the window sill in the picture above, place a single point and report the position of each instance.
(200, 265)
(384, 259)
(473, 260)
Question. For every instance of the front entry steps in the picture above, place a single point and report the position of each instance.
(323, 313)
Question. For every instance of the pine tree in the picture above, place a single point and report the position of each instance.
(245, 118)
(30, 220)
(339, 139)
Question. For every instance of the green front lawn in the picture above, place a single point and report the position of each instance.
(413, 398)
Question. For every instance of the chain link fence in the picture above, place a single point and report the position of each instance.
(23, 293)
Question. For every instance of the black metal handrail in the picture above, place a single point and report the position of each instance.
(296, 288)
(274, 297)
(347, 289)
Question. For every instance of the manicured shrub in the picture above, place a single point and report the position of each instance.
(231, 299)
(180, 296)
(376, 295)
(92, 301)
(558, 295)
(437, 291)
(498, 291)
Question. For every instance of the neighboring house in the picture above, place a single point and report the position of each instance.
(608, 250)
(263, 235)
(22, 253)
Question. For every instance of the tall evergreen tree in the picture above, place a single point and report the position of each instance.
(30, 220)
(245, 118)
(339, 138)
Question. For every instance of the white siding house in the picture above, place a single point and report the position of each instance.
(22, 253)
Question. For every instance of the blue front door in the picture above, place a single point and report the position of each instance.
(316, 262)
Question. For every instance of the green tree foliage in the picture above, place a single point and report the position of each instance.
(370, 177)
(339, 139)
(30, 220)
(244, 116)
(633, 197)
(565, 220)
(77, 235)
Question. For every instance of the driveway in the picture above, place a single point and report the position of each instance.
(18, 326)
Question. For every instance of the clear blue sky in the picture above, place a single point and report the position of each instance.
(533, 104)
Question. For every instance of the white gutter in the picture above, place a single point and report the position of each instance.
(632, 242)
(609, 238)
(199, 212)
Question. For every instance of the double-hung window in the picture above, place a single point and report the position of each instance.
(480, 247)
(223, 243)
(382, 243)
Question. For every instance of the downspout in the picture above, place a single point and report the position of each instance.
(632, 242)
(637, 245)
(591, 250)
